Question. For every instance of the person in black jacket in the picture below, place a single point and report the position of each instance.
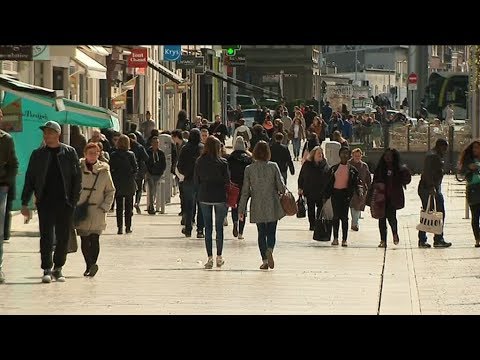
(54, 175)
(156, 165)
(238, 160)
(124, 169)
(343, 182)
(218, 129)
(212, 176)
(141, 156)
(258, 134)
(179, 144)
(281, 155)
(139, 137)
(186, 165)
(183, 122)
(312, 181)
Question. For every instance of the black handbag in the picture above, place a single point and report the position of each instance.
(301, 207)
(81, 210)
(473, 194)
(322, 230)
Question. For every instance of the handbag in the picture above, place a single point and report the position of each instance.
(289, 205)
(473, 194)
(431, 221)
(302, 208)
(377, 200)
(323, 226)
(233, 192)
(81, 210)
(72, 246)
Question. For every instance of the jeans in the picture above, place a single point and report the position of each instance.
(391, 216)
(475, 209)
(200, 221)
(266, 237)
(153, 182)
(138, 193)
(220, 213)
(355, 216)
(54, 218)
(314, 207)
(189, 199)
(90, 249)
(241, 224)
(296, 147)
(3, 208)
(424, 194)
(340, 204)
(119, 199)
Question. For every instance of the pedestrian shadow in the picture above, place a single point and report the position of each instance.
(24, 283)
(66, 277)
(203, 269)
(20, 252)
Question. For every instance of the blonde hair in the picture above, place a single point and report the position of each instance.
(123, 143)
(357, 150)
(311, 155)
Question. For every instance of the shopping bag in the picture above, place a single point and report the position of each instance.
(233, 193)
(431, 221)
(302, 208)
(323, 224)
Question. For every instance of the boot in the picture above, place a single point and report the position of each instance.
(128, 224)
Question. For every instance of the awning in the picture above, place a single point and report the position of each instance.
(99, 50)
(165, 71)
(240, 83)
(95, 70)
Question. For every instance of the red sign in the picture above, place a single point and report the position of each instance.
(138, 58)
(412, 78)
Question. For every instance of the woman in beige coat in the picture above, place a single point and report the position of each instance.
(101, 199)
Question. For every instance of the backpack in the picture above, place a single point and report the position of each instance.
(243, 134)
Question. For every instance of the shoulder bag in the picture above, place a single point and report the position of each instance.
(81, 210)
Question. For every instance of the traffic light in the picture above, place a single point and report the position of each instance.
(231, 50)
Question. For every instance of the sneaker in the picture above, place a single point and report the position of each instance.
(344, 243)
(209, 263)
(335, 242)
(47, 277)
(354, 227)
(139, 211)
(86, 272)
(424, 245)
(2, 277)
(220, 261)
(264, 266)
(200, 235)
(57, 275)
(225, 222)
(235, 229)
(383, 244)
(151, 212)
(128, 230)
(396, 239)
(240, 237)
(271, 263)
(441, 244)
(93, 270)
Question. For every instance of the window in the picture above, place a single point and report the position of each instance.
(434, 50)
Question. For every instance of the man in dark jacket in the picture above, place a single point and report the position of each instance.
(309, 116)
(327, 112)
(183, 122)
(186, 165)
(8, 173)
(141, 156)
(179, 144)
(139, 137)
(431, 185)
(281, 155)
(54, 175)
(218, 129)
(156, 165)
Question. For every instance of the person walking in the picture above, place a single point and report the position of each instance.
(147, 126)
(263, 183)
(431, 185)
(77, 140)
(281, 155)
(54, 176)
(156, 165)
(186, 166)
(312, 141)
(98, 188)
(142, 157)
(344, 182)
(395, 176)
(469, 165)
(258, 134)
(212, 177)
(124, 169)
(297, 134)
(8, 174)
(218, 129)
(238, 161)
(243, 131)
(357, 204)
(312, 182)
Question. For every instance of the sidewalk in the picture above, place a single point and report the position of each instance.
(156, 270)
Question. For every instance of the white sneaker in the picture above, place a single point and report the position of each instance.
(47, 277)
(240, 237)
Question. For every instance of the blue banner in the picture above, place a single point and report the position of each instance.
(172, 52)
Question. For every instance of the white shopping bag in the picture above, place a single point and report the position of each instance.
(431, 221)
(327, 210)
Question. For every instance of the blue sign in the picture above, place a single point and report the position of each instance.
(172, 52)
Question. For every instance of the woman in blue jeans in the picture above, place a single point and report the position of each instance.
(297, 134)
(263, 184)
(211, 177)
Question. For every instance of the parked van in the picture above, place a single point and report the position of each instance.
(246, 101)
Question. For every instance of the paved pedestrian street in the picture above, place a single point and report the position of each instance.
(156, 270)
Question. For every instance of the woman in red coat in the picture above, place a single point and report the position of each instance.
(390, 178)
